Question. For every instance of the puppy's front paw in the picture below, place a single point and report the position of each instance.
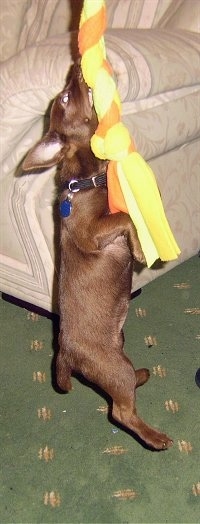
(135, 246)
(139, 255)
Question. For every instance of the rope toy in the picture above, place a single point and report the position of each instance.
(132, 186)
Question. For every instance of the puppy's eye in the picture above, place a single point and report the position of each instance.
(90, 96)
(65, 98)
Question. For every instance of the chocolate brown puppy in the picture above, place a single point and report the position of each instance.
(98, 250)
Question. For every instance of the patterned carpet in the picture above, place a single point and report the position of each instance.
(62, 460)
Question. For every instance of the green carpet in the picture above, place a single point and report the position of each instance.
(62, 460)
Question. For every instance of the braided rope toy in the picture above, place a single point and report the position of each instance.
(132, 186)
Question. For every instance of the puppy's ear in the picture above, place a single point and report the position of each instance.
(46, 153)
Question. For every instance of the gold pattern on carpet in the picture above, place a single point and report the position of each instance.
(182, 285)
(159, 371)
(44, 413)
(115, 450)
(39, 376)
(192, 310)
(32, 316)
(196, 489)
(184, 446)
(37, 345)
(171, 405)
(102, 409)
(125, 494)
(52, 498)
(46, 454)
(150, 341)
(140, 312)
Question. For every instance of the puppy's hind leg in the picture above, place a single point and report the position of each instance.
(121, 387)
(63, 370)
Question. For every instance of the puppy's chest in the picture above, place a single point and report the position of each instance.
(112, 262)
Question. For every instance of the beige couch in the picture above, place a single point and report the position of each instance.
(154, 48)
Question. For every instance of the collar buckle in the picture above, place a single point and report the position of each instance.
(73, 186)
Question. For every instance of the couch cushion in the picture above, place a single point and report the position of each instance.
(25, 22)
(137, 13)
(163, 124)
(185, 15)
(11, 23)
(43, 19)
(148, 62)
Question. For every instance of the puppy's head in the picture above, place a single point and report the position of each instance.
(73, 121)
